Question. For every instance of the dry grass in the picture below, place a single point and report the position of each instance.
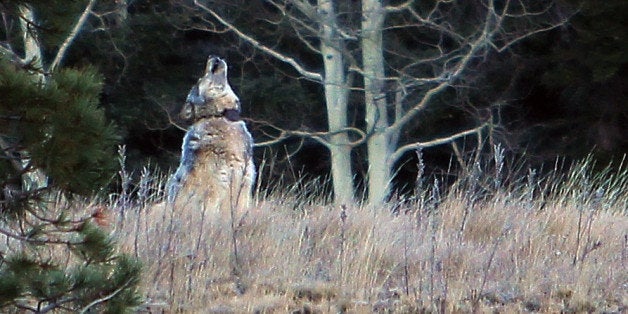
(552, 246)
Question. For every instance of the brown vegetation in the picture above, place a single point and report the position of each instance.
(550, 245)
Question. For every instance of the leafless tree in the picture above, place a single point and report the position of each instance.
(449, 39)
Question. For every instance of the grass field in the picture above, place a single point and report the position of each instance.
(557, 243)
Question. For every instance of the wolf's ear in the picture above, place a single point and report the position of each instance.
(194, 99)
(194, 96)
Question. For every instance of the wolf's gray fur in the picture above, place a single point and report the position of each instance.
(216, 153)
(191, 143)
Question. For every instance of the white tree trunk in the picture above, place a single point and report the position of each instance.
(34, 178)
(336, 98)
(32, 48)
(319, 22)
(379, 144)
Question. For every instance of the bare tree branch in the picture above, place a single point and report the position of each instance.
(439, 141)
(510, 43)
(298, 67)
(55, 305)
(306, 8)
(474, 46)
(400, 7)
(320, 137)
(105, 298)
(73, 33)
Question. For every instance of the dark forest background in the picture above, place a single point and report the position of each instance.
(100, 117)
(557, 94)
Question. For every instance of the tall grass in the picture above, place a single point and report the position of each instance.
(494, 241)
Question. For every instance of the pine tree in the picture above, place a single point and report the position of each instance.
(53, 257)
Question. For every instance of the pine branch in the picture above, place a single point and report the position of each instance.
(36, 241)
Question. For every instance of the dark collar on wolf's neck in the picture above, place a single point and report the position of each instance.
(231, 114)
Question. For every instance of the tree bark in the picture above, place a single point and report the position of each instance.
(32, 48)
(379, 144)
(336, 98)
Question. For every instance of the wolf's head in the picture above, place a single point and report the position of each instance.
(212, 96)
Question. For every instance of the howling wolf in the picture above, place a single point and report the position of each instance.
(216, 168)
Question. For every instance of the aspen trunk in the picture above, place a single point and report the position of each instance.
(336, 97)
(379, 144)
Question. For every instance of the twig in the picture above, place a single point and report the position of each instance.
(435, 201)
(578, 235)
(105, 298)
(406, 272)
(343, 220)
(233, 205)
(476, 298)
(53, 305)
(321, 137)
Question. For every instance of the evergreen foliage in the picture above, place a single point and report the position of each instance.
(49, 261)
(40, 278)
(52, 258)
(60, 125)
